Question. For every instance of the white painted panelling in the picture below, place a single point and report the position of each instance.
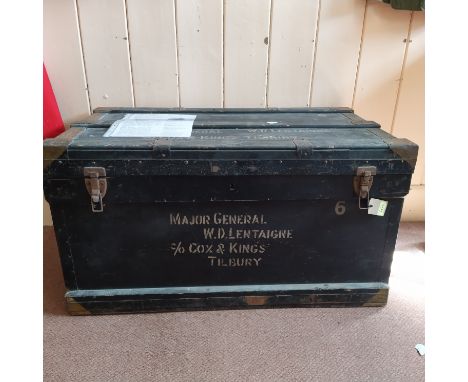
(293, 26)
(200, 48)
(106, 55)
(151, 29)
(63, 58)
(338, 40)
(409, 116)
(245, 52)
(382, 52)
(413, 206)
(46, 215)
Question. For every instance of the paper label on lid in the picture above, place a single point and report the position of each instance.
(377, 207)
(152, 125)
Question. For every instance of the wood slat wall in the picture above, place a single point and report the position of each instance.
(292, 47)
(409, 111)
(153, 50)
(242, 53)
(104, 37)
(338, 41)
(199, 25)
(381, 61)
(246, 40)
(63, 58)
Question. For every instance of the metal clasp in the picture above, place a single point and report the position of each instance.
(96, 184)
(363, 183)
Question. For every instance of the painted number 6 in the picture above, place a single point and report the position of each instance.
(340, 207)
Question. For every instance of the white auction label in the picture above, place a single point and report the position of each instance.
(377, 207)
(152, 125)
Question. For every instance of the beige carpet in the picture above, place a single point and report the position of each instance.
(326, 344)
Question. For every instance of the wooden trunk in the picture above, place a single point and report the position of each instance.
(257, 208)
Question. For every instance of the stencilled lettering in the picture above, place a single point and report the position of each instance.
(228, 240)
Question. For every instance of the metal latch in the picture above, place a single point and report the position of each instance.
(96, 184)
(363, 183)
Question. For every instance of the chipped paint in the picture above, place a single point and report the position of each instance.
(256, 300)
(75, 308)
(378, 299)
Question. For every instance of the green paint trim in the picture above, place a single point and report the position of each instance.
(224, 289)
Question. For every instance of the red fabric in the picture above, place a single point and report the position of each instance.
(52, 120)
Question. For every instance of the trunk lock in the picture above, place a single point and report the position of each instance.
(363, 183)
(96, 184)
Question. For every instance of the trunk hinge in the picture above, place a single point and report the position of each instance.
(303, 148)
(363, 183)
(96, 184)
